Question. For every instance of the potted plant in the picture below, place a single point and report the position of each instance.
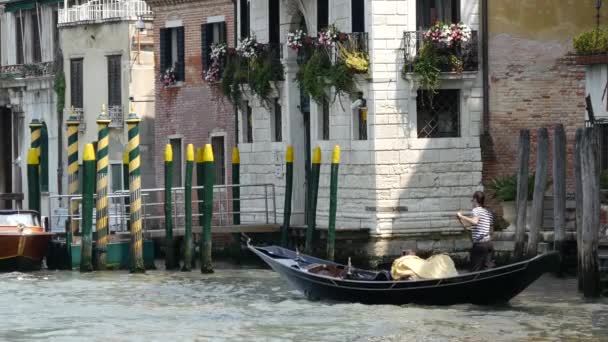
(591, 47)
(505, 189)
(167, 78)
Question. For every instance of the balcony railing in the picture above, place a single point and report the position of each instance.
(26, 70)
(116, 116)
(100, 10)
(467, 52)
(79, 113)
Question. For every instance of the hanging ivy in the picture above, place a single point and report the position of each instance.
(59, 86)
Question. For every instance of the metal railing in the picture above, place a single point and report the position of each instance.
(100, 10)
(258, 201)
(467, 53)
(79, 114)
(26, 70)
(116, 116)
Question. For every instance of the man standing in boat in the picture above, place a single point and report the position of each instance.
(479, 224)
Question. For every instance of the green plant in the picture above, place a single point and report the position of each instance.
(318, 76)
(591, 42)
(59, 87)
(427, 66)
(505, 188)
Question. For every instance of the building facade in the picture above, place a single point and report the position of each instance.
(108, 60)
(29, 53)
(188, 109)
(407, 166)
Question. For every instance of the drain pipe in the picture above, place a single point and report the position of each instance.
(484, 67)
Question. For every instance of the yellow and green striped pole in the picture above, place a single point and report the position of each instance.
(208, 175)
(88, 189)
(73, 181)
(188, 206)
(137, 259)
(36, 133)
(314, 191)
(102, 224)
(170, 263)
(33, 180)
(333, 203)
(125, 181)
(200, 193)
(288, 191)
(44, 158)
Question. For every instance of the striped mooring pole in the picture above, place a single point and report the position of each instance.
(36, 143)
(137, 259)
(208, 175)
(314, 191)
(33, 180)
(170, 263)
(73, 181)
(102, 224)
(88, 189)
(288, 192)
(125, 181)
(187, 267)
(333, 203)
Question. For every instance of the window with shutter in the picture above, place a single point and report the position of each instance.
(244, 18)
(322, 14)
(76, 87)
(217, 144)
(358, 15)
(35, 30)
(211, 33)
(19, 39)
(180, 62)
(274, 23)
(114, 81)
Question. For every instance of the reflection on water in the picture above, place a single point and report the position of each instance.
(256, 305)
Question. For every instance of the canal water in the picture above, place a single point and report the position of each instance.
(256, 305)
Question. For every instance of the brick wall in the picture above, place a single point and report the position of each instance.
(533, 84)
(193, 109)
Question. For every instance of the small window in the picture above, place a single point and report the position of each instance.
(35, 29)
(211, 33)
(276, 121)
(76, 86)
(176, 146)
(438, 114)
(324, 120)
(19, 39)
(247, 122)
(114, 81)
(322, 14)
(219, 153)
(172, 51)
(274, 22)
(358, 15)
(429, 12)
(244, 16)
(115, 176)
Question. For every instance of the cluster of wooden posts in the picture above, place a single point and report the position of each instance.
(587, 198)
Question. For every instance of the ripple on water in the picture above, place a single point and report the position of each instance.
(256, 305)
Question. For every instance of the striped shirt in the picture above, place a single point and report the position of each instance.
(481, 232)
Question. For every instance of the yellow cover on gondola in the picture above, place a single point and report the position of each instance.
(414, 267)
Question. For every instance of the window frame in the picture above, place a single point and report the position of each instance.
(77, 93)
(277, 121)
(421, 22)
(172, 51)
(114, 96)
(35, 38)
(459, 114)
(217, 162)
(217, 30)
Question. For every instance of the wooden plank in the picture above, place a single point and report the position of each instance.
(559, 187)
(540, 183)
(523, 154)
(590, 170)
(578, 197)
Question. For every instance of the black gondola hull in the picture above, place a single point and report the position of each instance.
(494, 286)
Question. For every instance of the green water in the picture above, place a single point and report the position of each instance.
(256, 305)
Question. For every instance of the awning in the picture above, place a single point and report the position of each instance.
(27, 4)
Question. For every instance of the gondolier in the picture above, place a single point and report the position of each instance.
(480, 226)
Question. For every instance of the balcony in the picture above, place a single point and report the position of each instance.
(466, 53)
(104, 10)
(18, 71)
(116, 116)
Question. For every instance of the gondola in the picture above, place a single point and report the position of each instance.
(494, 286)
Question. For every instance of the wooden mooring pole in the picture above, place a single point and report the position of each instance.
(88, 189)
(333, 204)
(209, 177)
(523, 154)
(170, 260)
(288, 192)
(187, 267)
(559, 189)
(314, 192)
(590, 171)
(540, 183)
(578, 193)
